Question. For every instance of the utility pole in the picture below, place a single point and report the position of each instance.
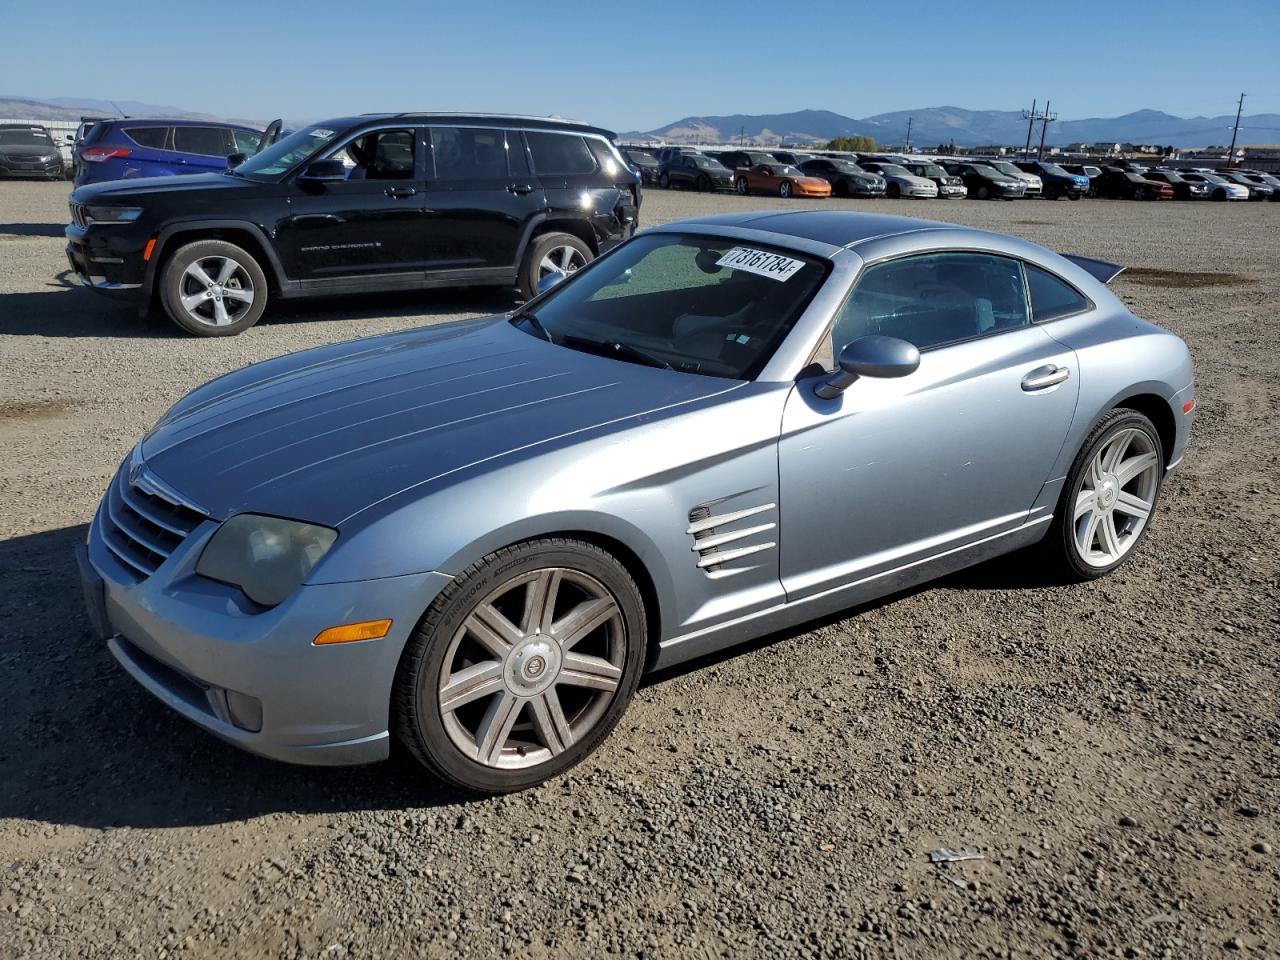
(910, 119)
(1046, 118)
(1231, 154)
(1031, 120)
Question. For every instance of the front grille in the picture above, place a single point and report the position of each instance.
(143, 527)
(77, 215)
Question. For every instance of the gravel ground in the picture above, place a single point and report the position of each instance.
(1112, 749)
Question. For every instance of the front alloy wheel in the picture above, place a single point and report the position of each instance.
(740, 186)
(522, 666)
(213, 288)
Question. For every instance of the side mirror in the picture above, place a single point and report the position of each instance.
(871, 356)
(235, 159)
(324, 171)
(549, 280)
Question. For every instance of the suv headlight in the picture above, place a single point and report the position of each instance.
(111, 214)
(266, 557)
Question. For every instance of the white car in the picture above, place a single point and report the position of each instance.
(901, 182)
(1035, 186)
(1218, 188)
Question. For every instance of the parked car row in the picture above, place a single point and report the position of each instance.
(787, 172)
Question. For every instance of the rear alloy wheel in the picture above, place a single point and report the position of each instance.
(212, 288)
(522, 666)
(548, 253)
(1110, 496)
(740, 186)
(784, 189)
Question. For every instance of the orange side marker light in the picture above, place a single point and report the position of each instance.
(354, 632)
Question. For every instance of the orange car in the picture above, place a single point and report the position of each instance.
(779, 179)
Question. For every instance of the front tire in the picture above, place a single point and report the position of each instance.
(893, 191)
(740, 187)
(551, 251)
(984, 192)
(784, 189)
(522, 666)
(211, 288)
(1110, 497)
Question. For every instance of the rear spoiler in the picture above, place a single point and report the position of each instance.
(1098, 269)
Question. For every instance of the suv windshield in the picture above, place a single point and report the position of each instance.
(698, 304)
(706, 163)
(293, 149)
(25, 138)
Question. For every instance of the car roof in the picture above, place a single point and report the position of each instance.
(174, 122)
(513, 119)
(834, 228)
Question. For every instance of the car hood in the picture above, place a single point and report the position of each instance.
(327, 433)
(27, 150)
(142, 187)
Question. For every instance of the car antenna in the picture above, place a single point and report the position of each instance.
(118, 110)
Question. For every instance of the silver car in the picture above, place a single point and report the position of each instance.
(901, 182)
(475, 537)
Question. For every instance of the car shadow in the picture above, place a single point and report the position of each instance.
(32, 229)
(86, 746)
(61, 308)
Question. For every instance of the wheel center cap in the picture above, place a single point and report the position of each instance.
(532, 666)
(1108, 492)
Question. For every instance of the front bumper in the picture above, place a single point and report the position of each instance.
(198, 647)
(950, 191)
(39, 171)
(108, 258)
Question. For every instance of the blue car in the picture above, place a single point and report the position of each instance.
(122, 149)
(1057, 181)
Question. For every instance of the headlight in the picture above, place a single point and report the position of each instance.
(266, 557)
(111, 214)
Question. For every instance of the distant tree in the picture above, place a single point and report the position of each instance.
(853, 144)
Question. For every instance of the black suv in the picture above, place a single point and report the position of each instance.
(377, 202)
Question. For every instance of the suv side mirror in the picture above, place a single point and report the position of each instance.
(235, 159)
(870, 356)
(324, 171)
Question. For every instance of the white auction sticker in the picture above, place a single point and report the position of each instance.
(771, 265)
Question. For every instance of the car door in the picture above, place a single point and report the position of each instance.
(149, 151)
(891, 472)
(481, 196)
(370, 226)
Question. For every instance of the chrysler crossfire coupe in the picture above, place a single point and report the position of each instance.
(473, 538)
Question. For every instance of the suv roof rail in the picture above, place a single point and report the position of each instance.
(475, 113)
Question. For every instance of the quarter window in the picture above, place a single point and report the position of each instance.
(935, 299)
(204, 141)
(559, 153)
(153, 137)
(465, 153)
(1052, 298)
(246, 142)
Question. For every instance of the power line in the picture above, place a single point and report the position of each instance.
(1046, 118)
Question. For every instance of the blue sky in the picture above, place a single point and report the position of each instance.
(616, 66)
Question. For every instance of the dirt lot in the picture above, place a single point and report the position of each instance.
(1112, 749)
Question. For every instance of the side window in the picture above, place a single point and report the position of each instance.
(604, 156)
(380, 155)
(153, 137)
(466, 153)
(246, 142)
(1052, 298)
(517, 156)
(935, 299)
(559, 153)
(204, 141)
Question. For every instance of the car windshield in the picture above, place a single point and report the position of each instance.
(894, 170)
(1004, 166)
(25, 138)
(636, 156)
(1054, 170)
(847, 166)
(1212, 177)
(284, 154)
(698, 304)
(931, 170)
(782, 169)
(982, 170)
(1092, 171)
(706, 163)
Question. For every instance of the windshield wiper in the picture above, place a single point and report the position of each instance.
(612, 348)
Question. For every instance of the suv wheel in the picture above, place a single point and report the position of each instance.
(548, 252)
(521, 666)
(212, 288)
(664, 180)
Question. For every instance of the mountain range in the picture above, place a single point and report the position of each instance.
(934, 125)
(73, 108)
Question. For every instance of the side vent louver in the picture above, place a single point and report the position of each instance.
(722, 538)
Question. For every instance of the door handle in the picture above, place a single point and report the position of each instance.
(401, 191)
(1042, 378)
(520, 189)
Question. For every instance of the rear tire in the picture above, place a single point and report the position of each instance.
(486, 696)
(554, 249)
(211, 288)
(664, 181)
(1097, 498)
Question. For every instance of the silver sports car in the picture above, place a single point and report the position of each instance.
(475, 537)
